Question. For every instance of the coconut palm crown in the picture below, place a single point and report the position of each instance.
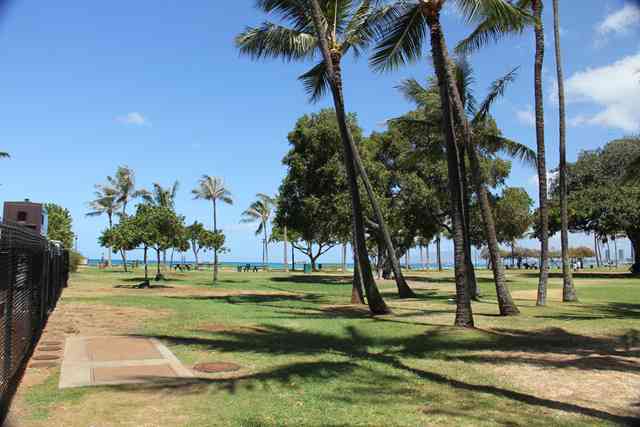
(349, 28)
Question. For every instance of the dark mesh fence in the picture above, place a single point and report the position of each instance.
(33, 272)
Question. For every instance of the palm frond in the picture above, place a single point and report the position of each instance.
(515, 150)
(4, 155)
(495, 91)
(413, 91)
(403, 30)
(275, 41)
(495, 18)
(294, 12)
(316, 81)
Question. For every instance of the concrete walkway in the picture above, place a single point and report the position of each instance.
(112, 360)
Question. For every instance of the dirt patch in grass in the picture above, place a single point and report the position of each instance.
(609, 383)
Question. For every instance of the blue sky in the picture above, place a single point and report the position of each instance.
(159, 86)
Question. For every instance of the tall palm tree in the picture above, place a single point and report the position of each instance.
(124, 183)
(105, 203)
(404, 30)
(162, 196)
(213, 189)
(489, 28)
(484, 142)
(260, 211)
(568, 289)
(332, 29)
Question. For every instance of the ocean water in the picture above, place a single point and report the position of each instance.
(273, 265)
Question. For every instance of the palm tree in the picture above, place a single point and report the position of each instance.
(403, 31)
(260, 212)
(105, 203)
(161, 196)
(487, 142)
(568, 290)
(332, 30)
(214, 190)
(489, 28)
(124, 183)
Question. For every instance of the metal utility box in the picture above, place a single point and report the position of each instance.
(28, 214)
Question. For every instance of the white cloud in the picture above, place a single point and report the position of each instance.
(615, 88)
(620, 21)
(134, 118)
(526, 116)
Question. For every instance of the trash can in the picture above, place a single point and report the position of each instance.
(307, 268)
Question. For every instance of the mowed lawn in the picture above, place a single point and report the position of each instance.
(310, 359)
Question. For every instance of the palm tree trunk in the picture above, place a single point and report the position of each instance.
(568, 290)
(357, 295)
(506, 304)
(464, 313)
(286, 252)
(215, 250)
(471, 272)
(374, 299)
(266, 246)
(542, 166)
(596, 248)
(110, 216)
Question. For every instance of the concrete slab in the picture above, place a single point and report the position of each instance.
(93, 361)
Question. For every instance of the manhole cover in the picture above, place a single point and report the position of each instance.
(50, 348)
(217, 367)
(42, 365)
(46, 357)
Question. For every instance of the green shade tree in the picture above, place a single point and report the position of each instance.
(200, 239)
(122, 237)
(60, 225)
(214, 190)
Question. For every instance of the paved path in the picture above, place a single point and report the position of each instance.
(111, 360)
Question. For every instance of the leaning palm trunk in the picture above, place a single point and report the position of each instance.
(374, 299)
(568, 290)
(357, 296)
(471, 272)
(505, 301)
(542, 166)
(464, 314)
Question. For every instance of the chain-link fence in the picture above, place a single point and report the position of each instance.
(33, 272)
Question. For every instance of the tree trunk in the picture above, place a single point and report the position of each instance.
(123, 253)
(195, 255)
(109, 250)
(421, 256)
(374, 299)
(146, 268)
(380, 260)
(635, 243)
(464, 314)
(356, 290)
(439, 252)
(266, 247)
(171, 260)
(506, 304)
(344, 258)
(215, 251)
(158, 274)
(458, 113)
(536, 6)
(286, 252)
(568, 290)
(426, 254)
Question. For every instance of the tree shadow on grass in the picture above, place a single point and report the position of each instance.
(393, 351)
(315, 279)
(139, 287)
(452, 280)
(614, 310)
(586, 275)
(151, 276)
(261, 299)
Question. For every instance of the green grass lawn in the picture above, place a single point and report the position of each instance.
(308, 363)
